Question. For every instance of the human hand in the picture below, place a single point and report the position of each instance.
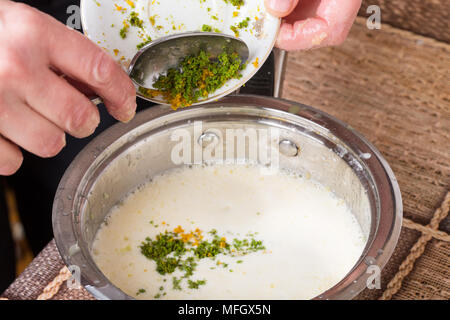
(37, 105)
(311, 24)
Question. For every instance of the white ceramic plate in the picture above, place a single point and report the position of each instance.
(103, 19)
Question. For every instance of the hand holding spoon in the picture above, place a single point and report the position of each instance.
(158, 56)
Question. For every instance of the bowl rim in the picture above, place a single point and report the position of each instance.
(377, 252)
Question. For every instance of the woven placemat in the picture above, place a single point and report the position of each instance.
(392, 86)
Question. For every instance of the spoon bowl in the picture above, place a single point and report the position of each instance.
(158, 56)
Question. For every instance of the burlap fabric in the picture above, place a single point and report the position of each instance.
(392, 86)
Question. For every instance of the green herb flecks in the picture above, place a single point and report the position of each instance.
(135, 21)
(124, 31)
(206, 28)
(241, 25)
(143, 43)
(196, 77)
(196, 284)
(244, 23)
(176, 283)
(140, 291)
(236, 3)
(181, 251)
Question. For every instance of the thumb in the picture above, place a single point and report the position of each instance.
(280, 8)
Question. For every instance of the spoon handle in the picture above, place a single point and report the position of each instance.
(280, 68)
(96, 100)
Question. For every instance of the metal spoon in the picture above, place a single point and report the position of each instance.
(158, 56)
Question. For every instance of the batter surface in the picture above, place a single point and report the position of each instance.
(306, 240)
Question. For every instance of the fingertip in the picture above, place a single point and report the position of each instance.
(85, 123)
(125, 112)
(53, 145)
(14, 159)
(285, 37)
(8, 170)
(130, 114)
(305, 34)
(16, 164)
(280, 8)
(131, 111)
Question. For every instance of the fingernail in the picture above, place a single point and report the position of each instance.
(85, 123)
(128, 117)
(131, 109)
(280, 5)
(93, 122)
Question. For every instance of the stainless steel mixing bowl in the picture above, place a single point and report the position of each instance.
(127, 155)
